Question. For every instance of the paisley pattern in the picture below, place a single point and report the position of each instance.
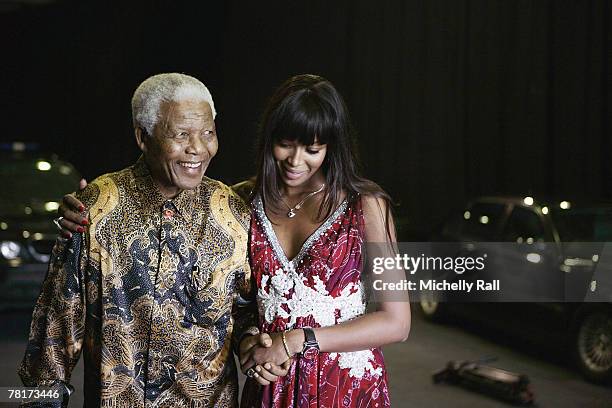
(147, 293)
(321, 286)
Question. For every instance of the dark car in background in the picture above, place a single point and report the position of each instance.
(560, 240)
(32, 184)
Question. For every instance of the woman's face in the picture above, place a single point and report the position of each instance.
(298, 164)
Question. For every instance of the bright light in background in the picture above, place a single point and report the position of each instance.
(51, 206)
(38, 236)
(565, 205)
(43, 165)
(467, 215)
(528, 200)
(10, 249)
(484, 219)
(534, 258)
(544, 210)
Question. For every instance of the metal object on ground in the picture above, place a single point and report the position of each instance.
(495, 382)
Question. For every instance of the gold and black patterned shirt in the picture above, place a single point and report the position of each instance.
(147, 294)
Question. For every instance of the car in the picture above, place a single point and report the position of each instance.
(554, 253)
(33, 181)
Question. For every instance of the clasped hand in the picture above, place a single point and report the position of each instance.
(266, 355)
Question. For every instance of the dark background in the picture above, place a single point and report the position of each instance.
(451, 99)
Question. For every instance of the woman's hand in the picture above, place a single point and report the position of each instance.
(71, 214)
(266, 348)
(266, 371)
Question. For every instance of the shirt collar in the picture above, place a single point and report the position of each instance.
(153, 200)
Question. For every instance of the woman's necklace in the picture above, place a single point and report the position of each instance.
(294, 210)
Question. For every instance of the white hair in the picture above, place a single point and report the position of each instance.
(172, 87)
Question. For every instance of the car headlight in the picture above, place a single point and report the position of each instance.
(10, 249)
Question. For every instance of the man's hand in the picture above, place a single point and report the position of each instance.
(265, 371)
(263, 348)
(71, 211)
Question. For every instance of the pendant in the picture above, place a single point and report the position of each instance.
(291, 213)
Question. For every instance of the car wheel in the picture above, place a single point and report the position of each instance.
(593, 345)
(431, 307)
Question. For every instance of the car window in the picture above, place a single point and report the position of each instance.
(524, 226)
(452, 226)
(482, 220)
(583, 225)
(33, 182)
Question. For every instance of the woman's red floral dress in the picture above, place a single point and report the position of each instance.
(321, 286)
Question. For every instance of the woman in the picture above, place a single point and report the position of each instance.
(312, 216)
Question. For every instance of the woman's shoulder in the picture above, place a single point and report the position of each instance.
(372, 201)
(377, 215)
(244, 189)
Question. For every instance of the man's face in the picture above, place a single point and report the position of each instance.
(181, 147)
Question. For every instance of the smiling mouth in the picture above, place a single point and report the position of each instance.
(190, 165)
(292, 174)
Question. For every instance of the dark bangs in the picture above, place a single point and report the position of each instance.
(302, 117)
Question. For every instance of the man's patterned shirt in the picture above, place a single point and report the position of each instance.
(147, 293)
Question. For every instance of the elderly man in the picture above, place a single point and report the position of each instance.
(147, 290)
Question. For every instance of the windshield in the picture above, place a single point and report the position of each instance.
(583, 224)
(34, 182)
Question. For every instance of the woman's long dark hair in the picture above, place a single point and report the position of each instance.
(305, 108)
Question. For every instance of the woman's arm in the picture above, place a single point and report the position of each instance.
(390, 323)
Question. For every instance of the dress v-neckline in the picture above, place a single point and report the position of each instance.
(273, 239)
